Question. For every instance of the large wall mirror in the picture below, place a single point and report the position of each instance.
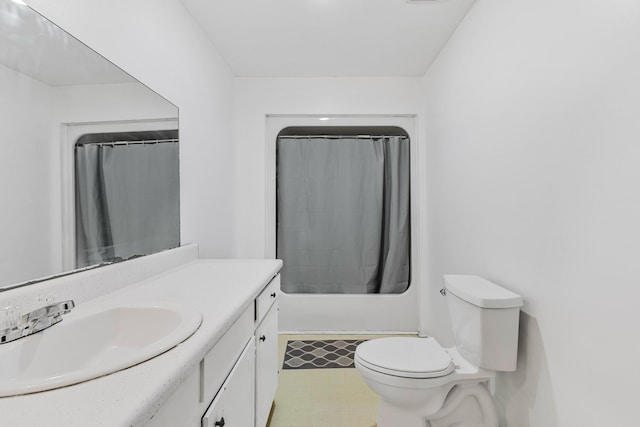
(81, 141)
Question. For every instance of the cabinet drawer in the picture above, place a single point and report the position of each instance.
(266, 299)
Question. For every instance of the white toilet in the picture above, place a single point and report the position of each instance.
(422, 384)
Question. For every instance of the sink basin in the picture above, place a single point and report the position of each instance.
(88, 346)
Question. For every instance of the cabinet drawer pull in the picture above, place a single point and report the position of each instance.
(220, 423)
(263, 338)
(273, 295)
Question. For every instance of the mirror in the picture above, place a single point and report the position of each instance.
(55, 90)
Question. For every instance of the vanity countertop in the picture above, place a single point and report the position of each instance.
(220, 289)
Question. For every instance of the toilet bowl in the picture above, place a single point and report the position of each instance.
(419, 382)
(422, 384)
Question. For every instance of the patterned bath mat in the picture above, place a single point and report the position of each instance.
(315, 354)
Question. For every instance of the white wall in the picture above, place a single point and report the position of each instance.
(157, 42)
(27, 234)
(533, 171)
(258, 97)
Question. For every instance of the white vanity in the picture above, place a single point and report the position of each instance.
(236, 380)
(224, 374)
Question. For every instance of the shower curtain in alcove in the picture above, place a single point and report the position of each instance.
(127, 200)
(343, 213)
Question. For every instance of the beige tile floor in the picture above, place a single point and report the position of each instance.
(322, 397)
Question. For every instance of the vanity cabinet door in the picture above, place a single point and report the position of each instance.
(266, 364)
(233, 406)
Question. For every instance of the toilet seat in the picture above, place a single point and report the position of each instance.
(405, 357)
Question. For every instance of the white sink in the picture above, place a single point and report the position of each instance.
(85, 347)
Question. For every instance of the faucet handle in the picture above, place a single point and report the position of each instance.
(55, 311)
(63, 307)
(51, 312)
(9, 317)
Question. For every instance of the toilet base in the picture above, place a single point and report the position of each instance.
(392, 416)
(467, 405)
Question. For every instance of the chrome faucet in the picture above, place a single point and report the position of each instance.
(16, 326)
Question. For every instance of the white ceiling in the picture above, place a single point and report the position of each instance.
(326, 38)
(36, 47)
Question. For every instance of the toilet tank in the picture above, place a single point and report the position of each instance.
(484, 319)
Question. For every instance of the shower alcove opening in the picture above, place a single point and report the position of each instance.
(342, 204)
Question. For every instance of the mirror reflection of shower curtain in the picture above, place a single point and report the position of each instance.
(343, 214)
(127, 201)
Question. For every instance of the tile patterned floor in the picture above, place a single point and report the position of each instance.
(322, 397)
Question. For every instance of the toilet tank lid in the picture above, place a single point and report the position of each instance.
(481, 292)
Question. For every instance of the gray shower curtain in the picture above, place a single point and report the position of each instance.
(127, 201)
(343, 212)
